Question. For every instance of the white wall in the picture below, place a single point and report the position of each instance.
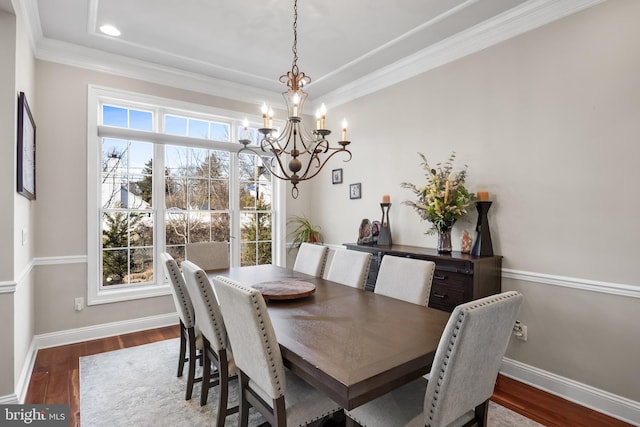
(548, 123)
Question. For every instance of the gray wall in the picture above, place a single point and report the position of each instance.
(7, 172)
(548, 123)
(16, 256)
(61, 223)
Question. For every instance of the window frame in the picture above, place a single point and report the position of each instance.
(97, 96)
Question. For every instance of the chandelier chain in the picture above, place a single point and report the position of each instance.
(294, 66)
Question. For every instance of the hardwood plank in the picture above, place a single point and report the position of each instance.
(547, 408)
(74, 397)
(38, 385)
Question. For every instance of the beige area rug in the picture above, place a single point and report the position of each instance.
(138, 387)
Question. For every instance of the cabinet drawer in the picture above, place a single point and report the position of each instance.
(446, 296)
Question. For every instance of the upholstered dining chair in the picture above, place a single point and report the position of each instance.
(208, 255)
(350, 268)
(462, 376)
(280, 396)
(407, 279)
(189, 337)
(310, 259)
(214, 338)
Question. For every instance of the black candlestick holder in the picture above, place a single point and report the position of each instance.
(482, 244)
(384, 235)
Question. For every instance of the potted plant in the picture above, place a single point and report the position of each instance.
(304, 231)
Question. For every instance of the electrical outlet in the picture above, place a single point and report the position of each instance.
(520, 331)
(79, 304)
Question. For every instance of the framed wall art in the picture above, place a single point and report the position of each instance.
(26, 149)
(336, 176)
(355, 191)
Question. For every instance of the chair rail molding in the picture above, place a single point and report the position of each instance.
(610, 288)
(599, 400)
(8, 287)
(57, 260)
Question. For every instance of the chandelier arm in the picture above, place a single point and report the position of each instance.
(285, 135)
(266, 164)
(305, 176)
(283, 171)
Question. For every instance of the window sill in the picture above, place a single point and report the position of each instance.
(109, 296)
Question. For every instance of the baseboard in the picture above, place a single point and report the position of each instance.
(9, 399)
(602, 401)
(71, 336)
(25, 376)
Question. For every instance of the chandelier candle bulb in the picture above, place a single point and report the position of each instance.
(245, 125)
(318, 119)
(323, 116)
(344, 129)
(483, 196)
(296, 101)
(265, 110)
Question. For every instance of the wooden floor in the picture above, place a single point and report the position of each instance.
(55, 380)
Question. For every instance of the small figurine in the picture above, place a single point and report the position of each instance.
(364, 233)
(466, 242)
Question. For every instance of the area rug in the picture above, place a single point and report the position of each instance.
(138, 387)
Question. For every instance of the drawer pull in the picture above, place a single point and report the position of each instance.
(441, 296)
(435, 276)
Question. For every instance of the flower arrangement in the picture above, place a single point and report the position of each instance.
(444, 199)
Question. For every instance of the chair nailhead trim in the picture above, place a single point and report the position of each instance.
(452, 343)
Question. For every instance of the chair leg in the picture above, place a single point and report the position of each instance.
(223, 377)
(243, 408)
(183, 349)
(206, 373)
(280, 412)
(192, 362)
(482, 411)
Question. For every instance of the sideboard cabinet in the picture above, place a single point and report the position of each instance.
(457, 278)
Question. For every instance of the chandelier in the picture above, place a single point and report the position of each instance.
(303, 153)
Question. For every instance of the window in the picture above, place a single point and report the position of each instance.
(162, 174)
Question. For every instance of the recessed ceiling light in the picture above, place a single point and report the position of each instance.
(110, 30)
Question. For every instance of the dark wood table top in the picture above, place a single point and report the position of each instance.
(351, 344)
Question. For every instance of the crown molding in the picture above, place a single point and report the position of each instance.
(96, 60)
(528, 16)
(512, 23)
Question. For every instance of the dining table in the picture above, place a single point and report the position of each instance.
(351, 344)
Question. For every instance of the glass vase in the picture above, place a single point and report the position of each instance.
(444, 240)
